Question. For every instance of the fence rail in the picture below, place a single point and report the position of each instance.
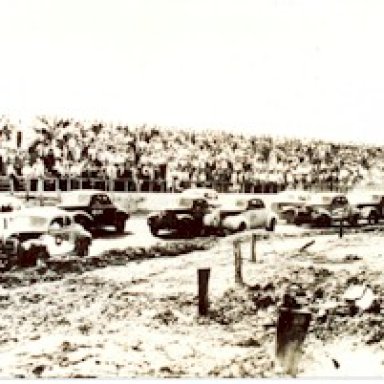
(54, 184)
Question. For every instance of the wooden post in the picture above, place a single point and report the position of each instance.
(238, 262)
(203, 279)
(253, 248)
(292, 327)
(341, 229)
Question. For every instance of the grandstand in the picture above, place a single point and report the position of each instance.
(63, 153)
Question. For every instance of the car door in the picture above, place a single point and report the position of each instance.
(102, 209)
(60, 240)
(257, 213)
(381, 207)
(339, 207)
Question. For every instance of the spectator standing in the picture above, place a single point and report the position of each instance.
(11, 174)
(39, 173)
(27, 173)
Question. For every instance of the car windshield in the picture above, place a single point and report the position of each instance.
(203, 193)
(294, 195)
(75, 199)
(320, 200)
(185, 202)
(24, 222)
(241, 203)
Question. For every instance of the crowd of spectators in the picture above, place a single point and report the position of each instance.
(67, 153)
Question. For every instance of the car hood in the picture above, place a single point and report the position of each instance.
(21, 235)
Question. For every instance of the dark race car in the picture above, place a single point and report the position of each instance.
(370, 204)
(94, 210)
(188, 217)
(326, 209)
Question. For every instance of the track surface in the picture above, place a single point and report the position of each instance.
(137, 234)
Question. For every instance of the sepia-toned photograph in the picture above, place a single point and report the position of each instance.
(191, 189)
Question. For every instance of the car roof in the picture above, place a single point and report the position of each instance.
(319, 196)
(73, 197)
(366, 196)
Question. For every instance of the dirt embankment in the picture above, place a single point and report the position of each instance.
(140, 319)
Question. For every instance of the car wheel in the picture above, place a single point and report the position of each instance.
(354, 221)
(188, 228)
(82, 247)
(242, 227)
(290, 217)
(272, 225)
(30, 257)
(324, 221)
(373, 218)
(154, 231)
(120, 226)
(4, 264)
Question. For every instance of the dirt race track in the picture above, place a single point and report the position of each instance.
(140, 319)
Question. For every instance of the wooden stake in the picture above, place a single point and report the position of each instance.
(304, 247)
(253, 248)
(238, 262)
(203, 279)
(292, 327)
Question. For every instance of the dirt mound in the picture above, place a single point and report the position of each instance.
(55, 269)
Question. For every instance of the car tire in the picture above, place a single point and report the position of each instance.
(30, 257)
(324, 221)
(188, 228)
(82, 247)
(272, 225)
(120, 226)
(373, 218)
(242, 227)
(154, 231)
(290, 217)
(42, 256)
(354, 221)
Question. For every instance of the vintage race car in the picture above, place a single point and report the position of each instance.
(94, 209)
(324, 209)
(286, 203)
(40, 233)
(247, 213)
(189, 217)
(370, 204)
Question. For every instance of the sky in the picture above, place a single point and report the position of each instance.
(289, 68)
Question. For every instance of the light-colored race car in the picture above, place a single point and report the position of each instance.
(247, 213)
(370, 204)
(41, 233)
(286, 203)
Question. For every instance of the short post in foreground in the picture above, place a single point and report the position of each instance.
(253, 248)
(238, 262)
(203, 280)
(292, 327)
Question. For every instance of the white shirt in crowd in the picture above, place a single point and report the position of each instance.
(38, 168)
